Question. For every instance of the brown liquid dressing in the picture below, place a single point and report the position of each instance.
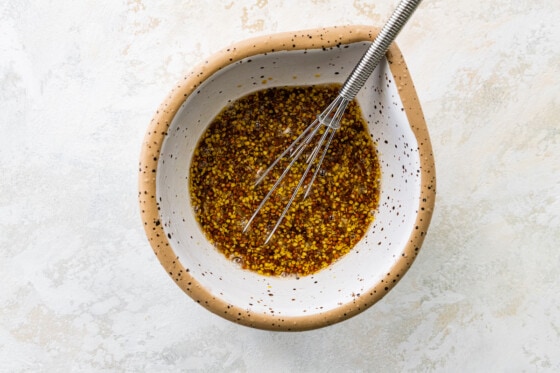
(242, 141)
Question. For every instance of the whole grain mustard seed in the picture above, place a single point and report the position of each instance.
(242, 141)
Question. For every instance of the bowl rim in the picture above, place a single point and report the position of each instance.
(287, 41)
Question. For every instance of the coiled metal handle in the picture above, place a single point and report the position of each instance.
(378, 48)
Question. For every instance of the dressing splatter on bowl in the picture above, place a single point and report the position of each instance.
(357, 280)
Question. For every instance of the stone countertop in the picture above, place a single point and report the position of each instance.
(81, 287)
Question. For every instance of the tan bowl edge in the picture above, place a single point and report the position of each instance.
(308, 39)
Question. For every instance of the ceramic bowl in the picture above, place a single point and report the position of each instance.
(357, 280)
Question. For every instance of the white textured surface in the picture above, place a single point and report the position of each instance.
(81, 289)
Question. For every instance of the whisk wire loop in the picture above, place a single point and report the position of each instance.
(330, 118)
(333, 124)
(296, 145)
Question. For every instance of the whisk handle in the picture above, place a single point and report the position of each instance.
(378, 48)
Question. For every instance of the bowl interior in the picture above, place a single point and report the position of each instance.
(370, 262)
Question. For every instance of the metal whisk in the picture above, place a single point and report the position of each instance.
(331, 116)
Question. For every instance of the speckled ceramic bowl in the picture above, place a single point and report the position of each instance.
(381, 258)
